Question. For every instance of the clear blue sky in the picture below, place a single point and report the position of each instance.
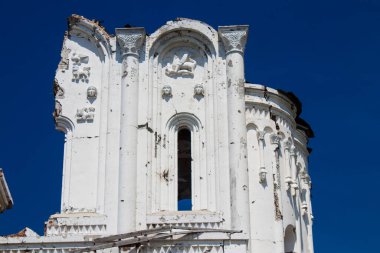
(327, 52)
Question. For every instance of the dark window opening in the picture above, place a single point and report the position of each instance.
(184, 170)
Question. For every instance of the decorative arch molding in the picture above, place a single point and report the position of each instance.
(186, 38)
(165, 192)
(195, 44)
(252, 126)
(82, 27)
(184, 119)
(64, 124)
(163, 51)
(198, 167)
(196, 28)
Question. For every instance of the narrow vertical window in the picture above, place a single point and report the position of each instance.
(184, 170)
(290, 239)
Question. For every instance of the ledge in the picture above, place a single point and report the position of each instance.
(170, 217)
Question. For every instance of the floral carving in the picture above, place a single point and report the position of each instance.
(234, 38)
(130, 40)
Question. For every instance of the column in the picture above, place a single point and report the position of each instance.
(234, 39)
(293, 169)
(130, 41)
(288, 176)
(297, 198)
(262, 171)
(310, 215)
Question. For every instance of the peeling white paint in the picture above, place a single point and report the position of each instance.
(243, 177)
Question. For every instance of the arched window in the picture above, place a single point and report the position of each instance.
(184, 170)
(290, 239)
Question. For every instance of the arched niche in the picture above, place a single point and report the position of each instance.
(290, 239)
(82, 27)
(167, 189)
(177, 47)
(182, 106)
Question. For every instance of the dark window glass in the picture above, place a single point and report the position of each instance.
(184, 170)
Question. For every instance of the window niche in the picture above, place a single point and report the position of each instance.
(184, 170)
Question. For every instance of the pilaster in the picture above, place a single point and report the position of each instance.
(234, 39)
(130, 41)
(262, 171)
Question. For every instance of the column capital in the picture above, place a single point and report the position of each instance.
(293, 150)
(234, 37)
(275, 139)
(261, 135)
(130, 40)
(287, 145)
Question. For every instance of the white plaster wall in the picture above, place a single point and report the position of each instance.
(91, 169)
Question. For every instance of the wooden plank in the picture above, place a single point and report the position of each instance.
(133, 234)
(143, 236)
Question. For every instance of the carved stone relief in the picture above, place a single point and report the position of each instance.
(262, 171)
(130, 40)
(199, 90)
(304, 207)
(260, 135)
(166, 91)
(275, 139)
(92, 92)
(234, 39)
(80, 72)
(181, 66)
(85, 114)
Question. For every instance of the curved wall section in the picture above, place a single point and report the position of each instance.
(279, 180)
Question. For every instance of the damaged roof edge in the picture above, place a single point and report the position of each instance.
(6, 201)
(304, 126)
(293, 99)
(301, 123)
(94, 24)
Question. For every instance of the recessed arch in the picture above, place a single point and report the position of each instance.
(184, 119)
(290, 239)
(80, 26)
(185, 27)
(64, 124)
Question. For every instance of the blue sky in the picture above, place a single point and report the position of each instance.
(326, 52)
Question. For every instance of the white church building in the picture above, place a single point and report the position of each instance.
(168, 149)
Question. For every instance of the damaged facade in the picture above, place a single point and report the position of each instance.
(6, 201)
(168, 149)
